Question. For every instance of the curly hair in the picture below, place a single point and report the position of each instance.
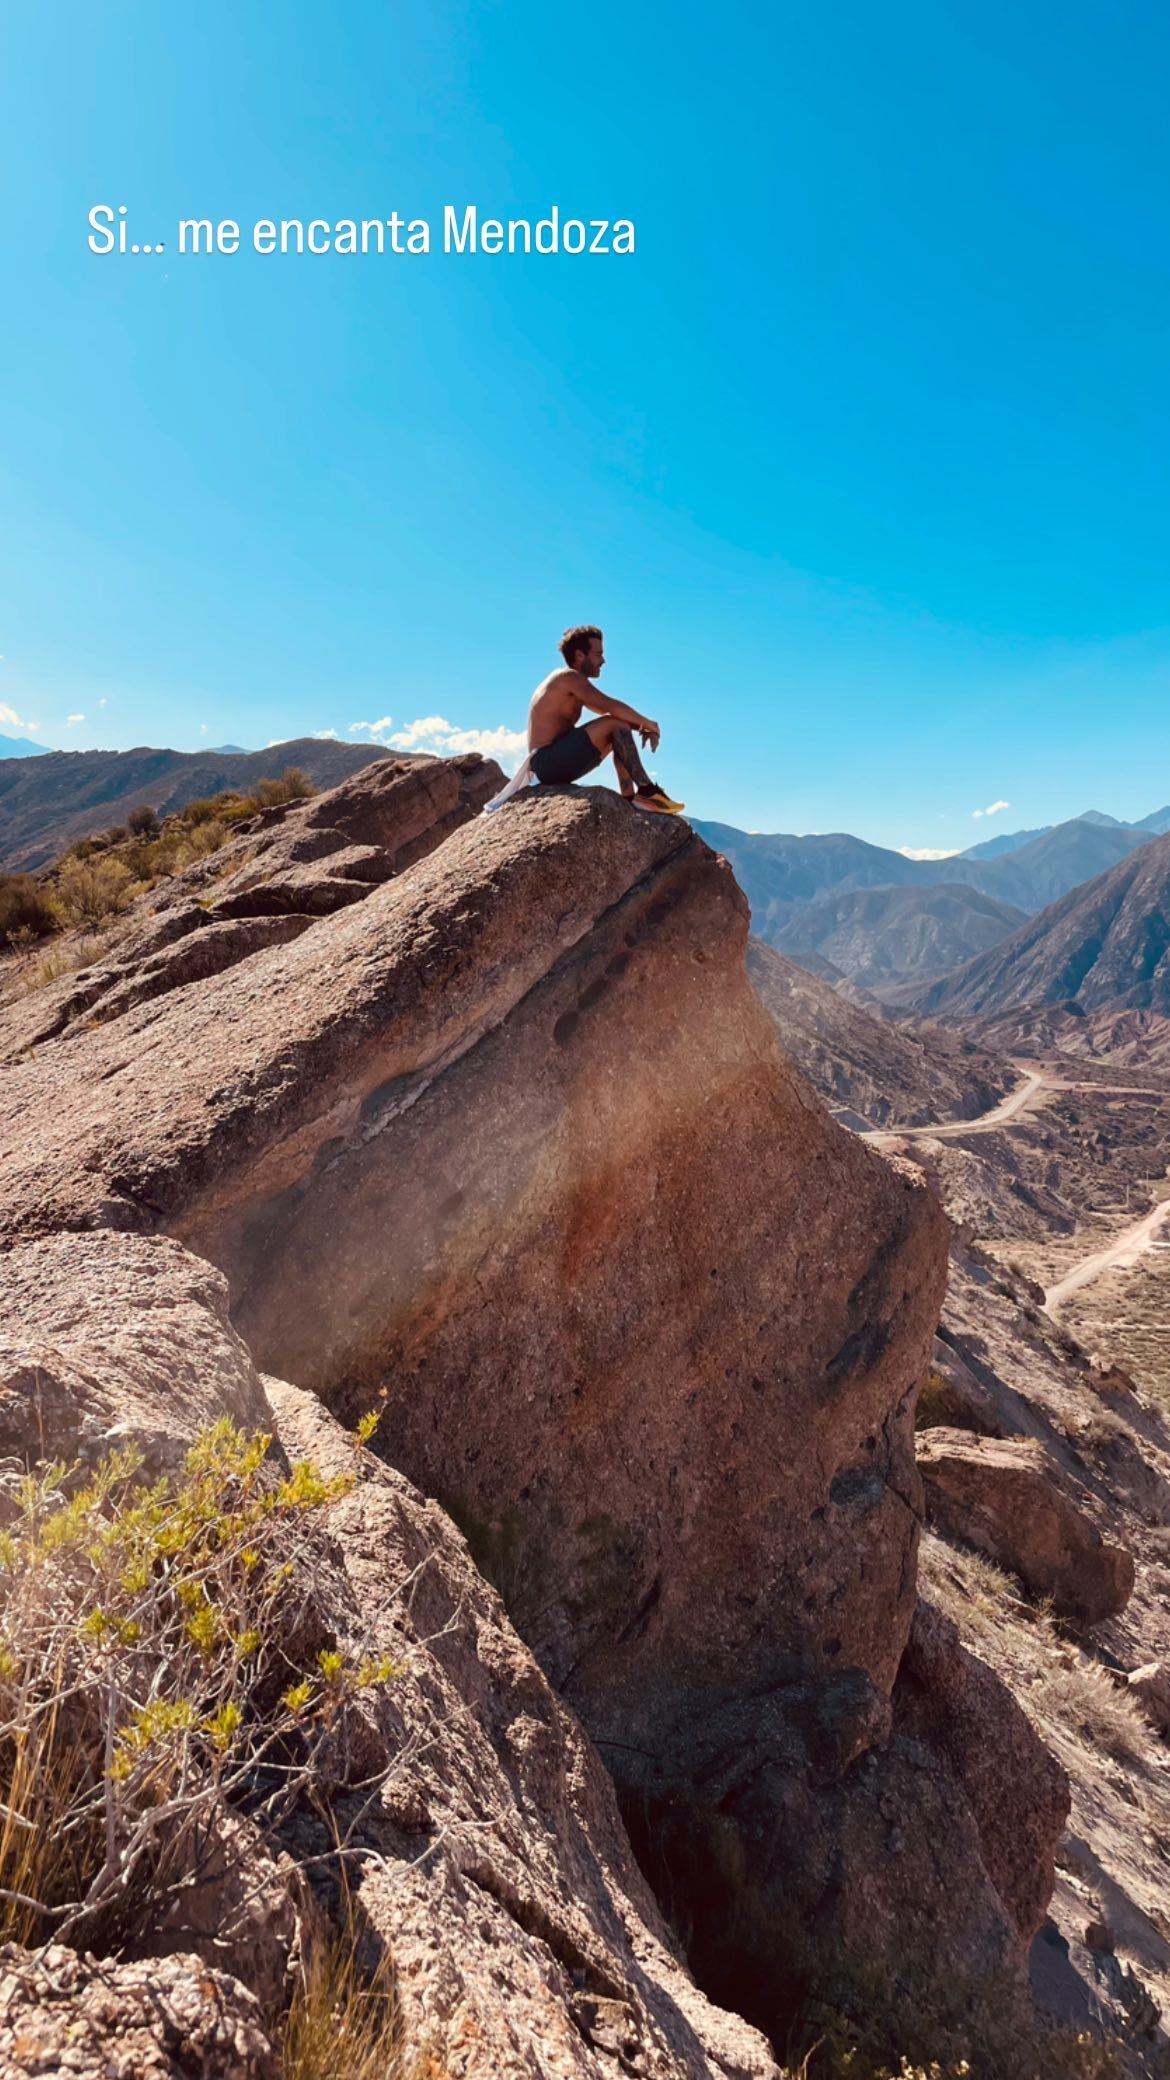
(577, 639)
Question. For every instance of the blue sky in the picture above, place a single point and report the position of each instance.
(861, 459)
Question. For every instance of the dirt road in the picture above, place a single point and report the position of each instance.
(1035, 1083)
(1128, 1247)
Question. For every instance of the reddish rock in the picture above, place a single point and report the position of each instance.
(508, 1148)
(91, 2019)
(1017, 1791)
(1004, 1497)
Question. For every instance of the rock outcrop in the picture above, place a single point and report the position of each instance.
(504, 1145)
(1149, 1686)
(283, 869)
(487, 1856)
(1003, 1496)
(90, 2019)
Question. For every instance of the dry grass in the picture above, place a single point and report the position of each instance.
(1082, 1700)
(1071, 1699)
(66, 957)
(342, 2021)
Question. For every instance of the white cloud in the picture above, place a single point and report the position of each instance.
(322, 736)
(203, 729)
(435, 733)
(992, 809)
(371, 729)
(103, 700)
(71, 719)
(13, 720)
(929, 851)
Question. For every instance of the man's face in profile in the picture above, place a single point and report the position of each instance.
(595, 658)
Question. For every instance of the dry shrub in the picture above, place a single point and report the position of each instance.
(88, 891)
(25, 914)
(65, 958)
(157, 1661)
(1082, 1699)
(292, 786)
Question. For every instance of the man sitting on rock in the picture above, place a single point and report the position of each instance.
(561, 748)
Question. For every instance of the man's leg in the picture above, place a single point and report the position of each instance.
(617, 738)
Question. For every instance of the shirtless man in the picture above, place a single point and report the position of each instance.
(562, 748)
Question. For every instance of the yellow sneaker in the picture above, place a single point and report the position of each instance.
(660, 802)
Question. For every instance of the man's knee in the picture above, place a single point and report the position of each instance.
(604, 732)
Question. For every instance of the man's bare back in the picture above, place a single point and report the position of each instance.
(563, 750)
(556, 706)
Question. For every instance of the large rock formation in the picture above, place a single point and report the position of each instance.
(1004, 1496)
(487, 1856)
(505, 1145)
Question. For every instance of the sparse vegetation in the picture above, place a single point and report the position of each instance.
(87, 892)
(1071, 1697)
(25, 914)
(342, 2020)
(99, 877)
(159, 1658)
(65, 956)
(1082, 1698)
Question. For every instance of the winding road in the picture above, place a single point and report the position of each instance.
(1127, 1247)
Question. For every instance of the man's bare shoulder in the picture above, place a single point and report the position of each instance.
(563, 681)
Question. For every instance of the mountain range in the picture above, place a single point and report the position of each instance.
(48, 803)
(1011, 841)
(20, 747)
(1101, 947)
(882, 936)
(869, 1070)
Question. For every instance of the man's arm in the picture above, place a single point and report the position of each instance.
(591, 696)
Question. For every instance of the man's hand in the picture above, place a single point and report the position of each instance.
(650, 734)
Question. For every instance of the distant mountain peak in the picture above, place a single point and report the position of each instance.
(21, 747)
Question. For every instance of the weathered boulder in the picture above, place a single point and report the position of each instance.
(493, 1865)
(106, 1338)
(170, 2019)
(1149, 1686)
(507, 1148)
(284, 868)
(486, 1852)
(1004, 1496)
(1017, 1790)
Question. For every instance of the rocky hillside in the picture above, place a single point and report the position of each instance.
(877, 1073)
(476, 1125)
(880, 936)
(48, 803)
(1105, 947)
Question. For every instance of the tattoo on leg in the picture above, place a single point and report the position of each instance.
(626, 758)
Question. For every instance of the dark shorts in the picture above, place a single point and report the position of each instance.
(569, 757)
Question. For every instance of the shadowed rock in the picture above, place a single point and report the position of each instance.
(1004, 1497)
